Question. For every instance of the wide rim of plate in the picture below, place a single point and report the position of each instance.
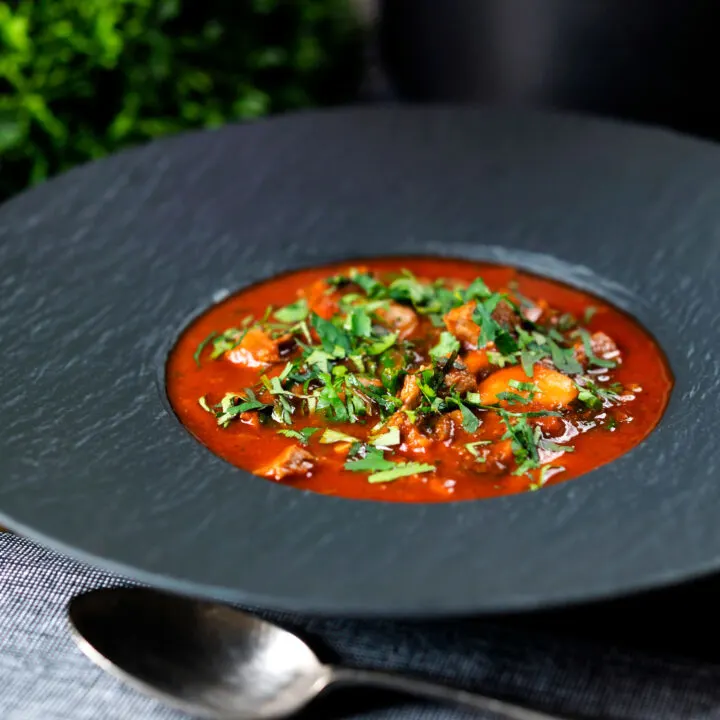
(106, 264)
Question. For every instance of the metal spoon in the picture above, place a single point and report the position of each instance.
(217, 662)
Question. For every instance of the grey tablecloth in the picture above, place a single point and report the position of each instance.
(43, 676)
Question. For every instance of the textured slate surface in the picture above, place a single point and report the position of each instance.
(102, 267)
(44, 677)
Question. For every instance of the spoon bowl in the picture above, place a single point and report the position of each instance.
(218, 662)
(205, 658)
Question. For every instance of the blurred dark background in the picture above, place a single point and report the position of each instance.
(82, 78)
(651, 61)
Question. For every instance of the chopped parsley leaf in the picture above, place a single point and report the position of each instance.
(302, 435)
(202, 346)
(294, 313)
(374, 461)
(390, 437)
(447, 345)
(472, 448)
(592, 358)
(470, 421)
(330, 436)
(403, 469)
(545, 475)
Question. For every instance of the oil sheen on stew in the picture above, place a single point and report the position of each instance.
(417, 380)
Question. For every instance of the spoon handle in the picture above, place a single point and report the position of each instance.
(439, 693)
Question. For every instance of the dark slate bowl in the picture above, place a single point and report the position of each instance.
(103, 267)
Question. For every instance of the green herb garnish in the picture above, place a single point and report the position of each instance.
(447, 345)
(390, 437)
(303, 435)
(349, 370)
(400, 470)
(293, 313)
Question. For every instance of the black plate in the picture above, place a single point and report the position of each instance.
(103, 267)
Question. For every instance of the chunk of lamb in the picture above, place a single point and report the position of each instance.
(461, 381)
(258, 349)
(410, 392)
(535, 312)
(495, 458)
(504, 314)
(412, 440)
(459, 321)
(602, 346)
(398, 319)
(445, 427)
(294, 461)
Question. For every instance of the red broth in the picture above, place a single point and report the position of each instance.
(460, 473)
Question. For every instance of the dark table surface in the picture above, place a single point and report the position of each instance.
(543, 660)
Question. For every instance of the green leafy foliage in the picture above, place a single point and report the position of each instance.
(82, 78)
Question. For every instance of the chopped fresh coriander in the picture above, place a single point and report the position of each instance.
(482, 315)
(546, 472)
(523, 442)
(202, 346)
(473, 398)
(276, 387)
(528, 360)
(564, 359)
(203, 404)
(566, 322)
(390, 437)
(592, 358)
(506, 344)
(472, 448)
(590, 399)
(496, 358)
(358, 323)
(293, 313)
(373, 288)
(554, 447)
(513, 398)
(409, 288)
(596, 396)
(589, 314)
(289, 367)
(400, 470)
(380, 346)
(229, 340)
(523, 386)
(333, 339)
(232, 405)
(374, 461)
(447, 345)
(283, 410)
(470, 421)
(477, 290)
(321, 359)
(303, 435)
(330, 436)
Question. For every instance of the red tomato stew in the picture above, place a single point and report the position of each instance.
(417, 380)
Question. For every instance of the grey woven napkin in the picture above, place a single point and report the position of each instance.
(44, 677)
